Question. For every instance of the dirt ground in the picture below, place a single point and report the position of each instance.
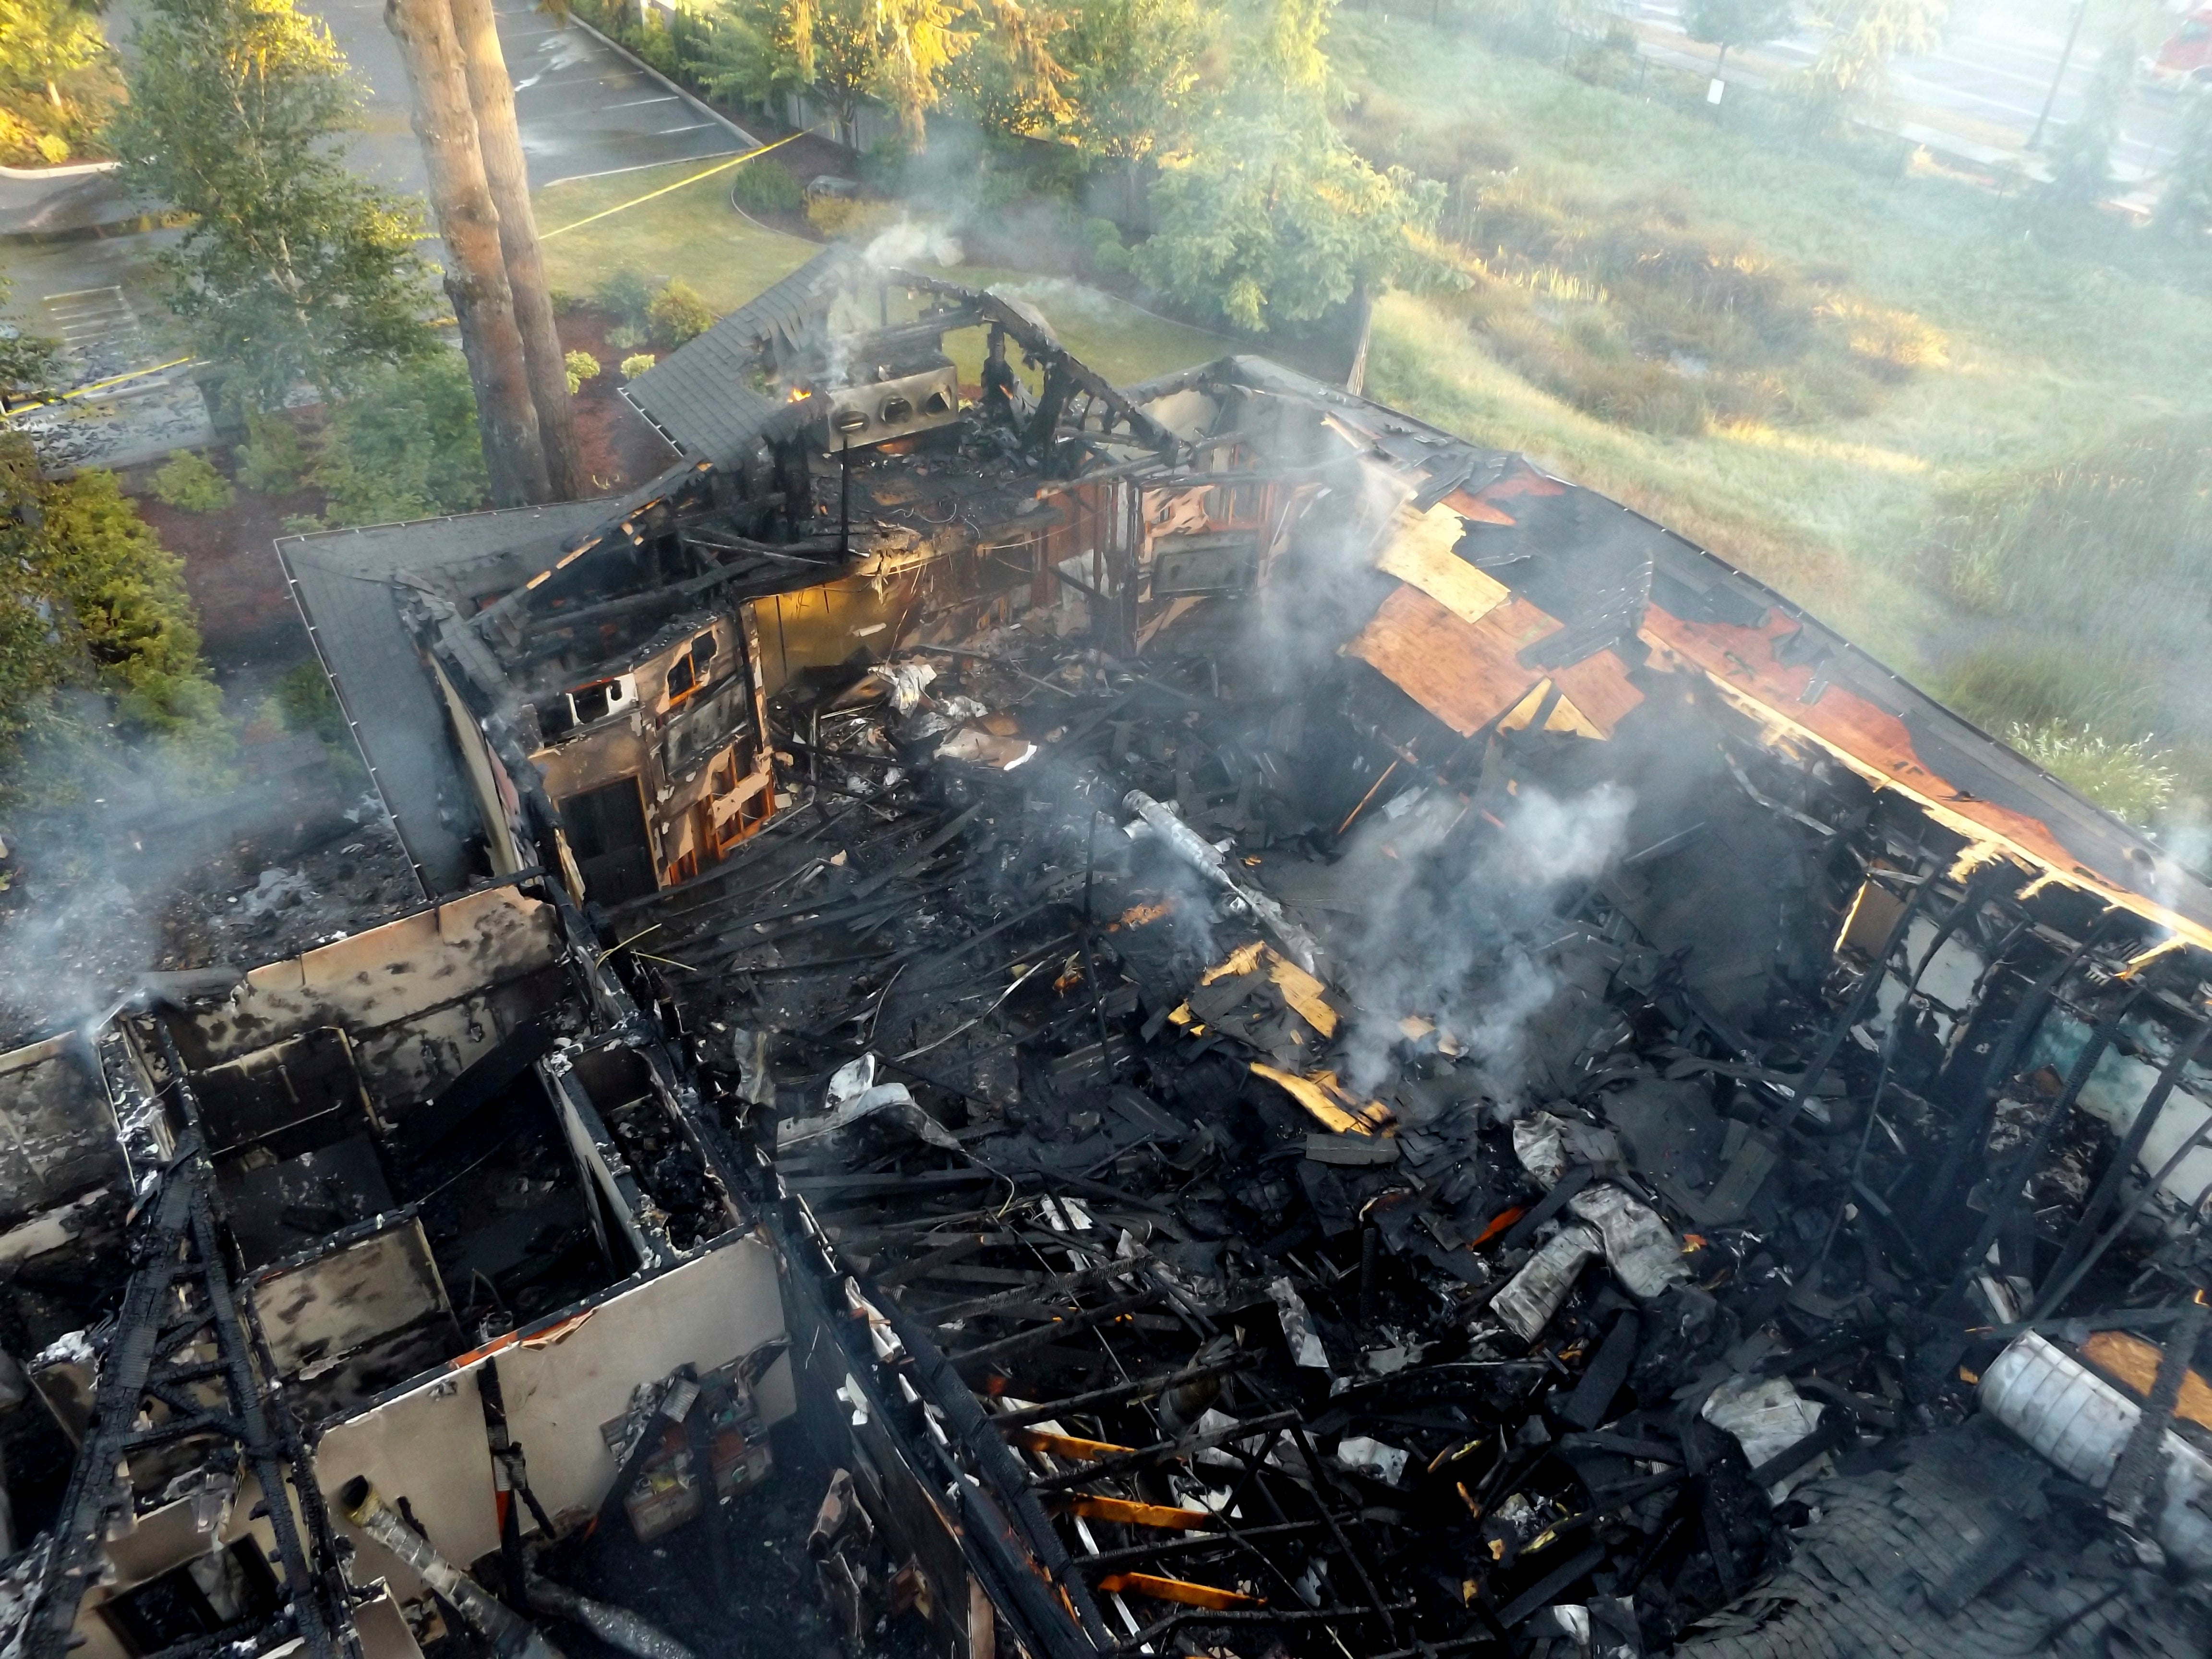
(247, 620)
(250, 626)
(620, 449)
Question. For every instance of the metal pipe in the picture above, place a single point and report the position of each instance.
(509, 1634)
(1193, 849)
(618, 1628)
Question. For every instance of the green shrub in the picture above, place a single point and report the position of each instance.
(191, 482)
(626, 296)
(767, 188)
(581, 367)
(1103, 242)
(406, 447)
(677, 314)
(849, 217)
(622, 338)
(89, 598)
(308, 705)
(634, 367)
(273, 460)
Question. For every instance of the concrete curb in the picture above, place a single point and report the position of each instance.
(690, 97)
(66, 170)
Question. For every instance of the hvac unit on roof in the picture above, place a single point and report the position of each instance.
(875, 411)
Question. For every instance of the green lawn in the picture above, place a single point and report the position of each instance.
(2047, 356)
(692, 233)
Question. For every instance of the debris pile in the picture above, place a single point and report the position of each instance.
(1317, 1189)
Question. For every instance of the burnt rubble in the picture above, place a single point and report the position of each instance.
(1609, 1300)
(1193, 1019)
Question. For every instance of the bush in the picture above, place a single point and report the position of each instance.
(767, 188)
(849, 217)
(677, 314)
(581, 367)
(1103, 243)
(625, 297)
(273, 460)
(623, 337)
(191, 482)
(405, 448)
(89, 596)
(634, 367)
(2131, 780)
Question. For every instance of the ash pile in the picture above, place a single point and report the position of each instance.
(1284, 1179)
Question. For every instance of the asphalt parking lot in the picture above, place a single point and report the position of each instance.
(584, 111)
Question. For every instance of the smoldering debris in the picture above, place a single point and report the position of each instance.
(1513, 1276)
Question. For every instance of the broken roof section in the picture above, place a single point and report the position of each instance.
(1511, 582)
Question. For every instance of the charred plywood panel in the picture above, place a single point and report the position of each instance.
(318, 1311)
(1421, 555)
(420, 998)
(57, 1138)
(560, 1383)
(1467, 674)
(406, 967)
(302, 1092)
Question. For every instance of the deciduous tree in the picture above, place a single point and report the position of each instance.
(1730, 24)
(291, 269)
(1855, 63)
(1132, 70)
(42, 42)
(1268, 217)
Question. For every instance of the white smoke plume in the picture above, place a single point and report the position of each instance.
(910, 241)
(1455, 920)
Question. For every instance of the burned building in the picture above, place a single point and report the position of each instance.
(1271, 1032)
(433, 1177)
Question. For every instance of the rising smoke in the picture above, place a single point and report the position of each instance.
(1456, 917)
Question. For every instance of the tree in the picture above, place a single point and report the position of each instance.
(1279, 48)
(1132, 70)
(404, 447)
(2081, 155)
(1729, 24)
(830, 48)
(1855, 63)
(499, 139)
(42, 41)
(90, 601)
(475, 273)
(291, 269)
(1268, 217)
(2184, 207)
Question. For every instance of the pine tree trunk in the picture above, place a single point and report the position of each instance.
(476, 274)
(499, 142)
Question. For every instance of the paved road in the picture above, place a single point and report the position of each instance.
(1986, 82)
(584, 109)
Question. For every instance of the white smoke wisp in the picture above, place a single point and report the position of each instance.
(910, 241)
(1456, 922)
